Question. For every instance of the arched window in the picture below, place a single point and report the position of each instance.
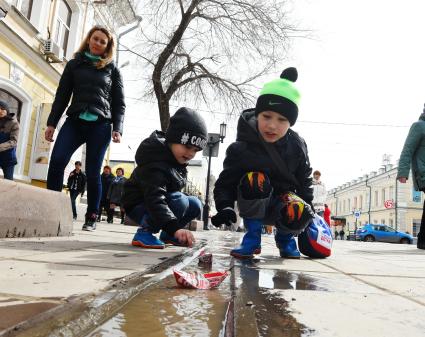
(63, 22)
(15, 105)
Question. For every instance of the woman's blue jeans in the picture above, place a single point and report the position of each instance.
(185, 208)
(73, 134)
(8, 172)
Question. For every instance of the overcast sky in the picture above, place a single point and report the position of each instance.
(364, 66)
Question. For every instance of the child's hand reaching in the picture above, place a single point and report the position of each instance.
(226, 216)
(185, 237)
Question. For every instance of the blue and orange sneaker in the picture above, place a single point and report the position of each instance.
(146, 239)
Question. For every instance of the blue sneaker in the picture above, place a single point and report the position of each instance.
(170, 239)
(251, 242)
(145, 239)
(287, 246)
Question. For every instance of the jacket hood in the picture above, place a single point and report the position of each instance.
(247, 130)
(155, 149)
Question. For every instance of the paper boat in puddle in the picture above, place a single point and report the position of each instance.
(196, 280)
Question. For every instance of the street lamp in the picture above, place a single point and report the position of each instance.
(213, 141)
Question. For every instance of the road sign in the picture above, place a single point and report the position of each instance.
(389, 203)
(357, 214)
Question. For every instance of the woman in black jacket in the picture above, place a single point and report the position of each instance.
(96, 87)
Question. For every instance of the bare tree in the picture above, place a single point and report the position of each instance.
(210, 51)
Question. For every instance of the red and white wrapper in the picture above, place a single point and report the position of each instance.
(196, 280)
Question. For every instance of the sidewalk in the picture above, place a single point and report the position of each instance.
(38, 274)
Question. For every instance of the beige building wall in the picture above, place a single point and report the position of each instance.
(378, 198)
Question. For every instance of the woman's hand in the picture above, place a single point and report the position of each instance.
(116, 137)
(48, 134)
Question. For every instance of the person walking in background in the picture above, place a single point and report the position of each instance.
(327, 215)
(341, 234)
(106, 179)
(76, 185)
(336, 234)
(152, 196)
(413, 156)
(95, 84)
(115, 193)
(9, 133)
(319, 193)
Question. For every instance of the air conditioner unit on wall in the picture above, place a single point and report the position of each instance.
(53, 51)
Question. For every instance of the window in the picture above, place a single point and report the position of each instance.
(15, 105)
(376, 198)
(383, 195)
(391, 222)
(24, 6)
(355, 203)
(63, 22)
(344, 209)
(383, 221)
(360, 201)
(416, 224)
(349, 204)
(391, 195)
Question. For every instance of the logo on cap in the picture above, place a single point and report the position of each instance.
(185, 138)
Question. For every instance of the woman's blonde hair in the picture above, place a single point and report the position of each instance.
(108, 56)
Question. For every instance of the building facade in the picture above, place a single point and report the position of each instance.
(37, 37)
(377, 198)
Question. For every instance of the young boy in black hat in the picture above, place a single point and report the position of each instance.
(152, 196)
(267, 161)
(9, 133)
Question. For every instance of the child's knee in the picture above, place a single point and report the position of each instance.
(254, 195)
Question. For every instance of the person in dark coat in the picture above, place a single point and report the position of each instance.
(413, 157)
(106, 178)
(252, 177)
(152, 195)
(9, 133)
(115, 193)
(76, 185)
(96, 87)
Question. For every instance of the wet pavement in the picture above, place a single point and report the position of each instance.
(99, 285)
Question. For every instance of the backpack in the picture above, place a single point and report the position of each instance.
(316, 240)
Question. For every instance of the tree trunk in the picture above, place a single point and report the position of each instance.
(164, 111)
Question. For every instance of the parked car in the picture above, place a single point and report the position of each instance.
(382, 233)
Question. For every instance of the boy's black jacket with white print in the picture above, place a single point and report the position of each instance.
(248, 154)
(157, 173)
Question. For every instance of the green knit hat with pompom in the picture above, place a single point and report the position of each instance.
(281, 96)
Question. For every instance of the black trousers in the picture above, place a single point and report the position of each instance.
(421, 234)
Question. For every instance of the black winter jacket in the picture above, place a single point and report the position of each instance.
(99, 91)
(248, 154)
(77, 182)
(157, 173)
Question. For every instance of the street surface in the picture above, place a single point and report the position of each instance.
(80, 282)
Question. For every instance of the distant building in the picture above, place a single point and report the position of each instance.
(377, 197)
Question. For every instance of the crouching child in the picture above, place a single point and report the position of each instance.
(152, 196)
(267, 170)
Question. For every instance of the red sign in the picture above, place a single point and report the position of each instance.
(389, 204)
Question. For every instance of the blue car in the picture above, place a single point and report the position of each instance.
(382, 233)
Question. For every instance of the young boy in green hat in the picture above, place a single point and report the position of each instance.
(253, 176)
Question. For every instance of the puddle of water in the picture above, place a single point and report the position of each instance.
(271, 311)
(166, 310)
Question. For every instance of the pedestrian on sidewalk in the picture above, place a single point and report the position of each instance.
(152, 195)
(76, 185)
(341, 234)
(267, 161)
(336, 234)
(319, 193)
(413, 156)
(9, 133)
(115, 194)
(327, 215)
(106, 179)
(96, 87)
